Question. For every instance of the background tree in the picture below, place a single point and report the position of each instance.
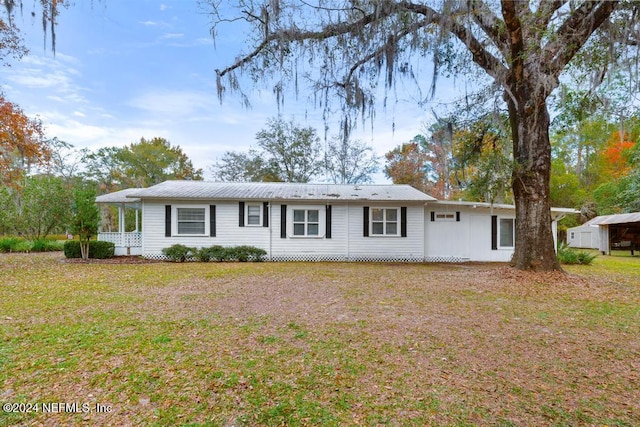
(85, 219)
(286, 152)
(42, 206)
(243, 167)
(350, 162)
(355, 43)
(140, 164)
(22, 143)
(482, 157)
(153, 161)
(405, 164)
(293, 152)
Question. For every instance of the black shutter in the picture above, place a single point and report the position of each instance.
(433, 216)
(167, 221)
(403, 221)
(365, 223)
(458, 216)
(265, 214)
(327, 232)
(283, 221)
(494, 232)
(212, 220)
(241, 214)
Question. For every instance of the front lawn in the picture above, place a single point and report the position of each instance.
(318, 343)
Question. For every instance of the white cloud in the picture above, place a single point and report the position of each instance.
(173, 103)
(172, 36)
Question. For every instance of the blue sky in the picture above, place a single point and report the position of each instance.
(145, 68)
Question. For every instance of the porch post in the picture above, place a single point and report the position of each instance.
(121, 222)
(136, 220)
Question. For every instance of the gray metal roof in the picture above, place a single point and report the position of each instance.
(119, 196)
(499, 206)
(204, 190)
(616, 219)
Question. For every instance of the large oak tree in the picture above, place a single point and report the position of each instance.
(345, 47)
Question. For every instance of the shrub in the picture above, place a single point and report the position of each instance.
(45, 245)
(567, 255)
(203, 254)
(246, 253)
(10, 244)
(97, 249)
(179, 253)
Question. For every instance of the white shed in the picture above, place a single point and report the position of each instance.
(585, 236)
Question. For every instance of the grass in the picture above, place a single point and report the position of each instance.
(312, 343)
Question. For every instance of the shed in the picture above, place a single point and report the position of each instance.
(620, 231)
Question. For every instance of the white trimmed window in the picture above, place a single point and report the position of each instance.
(306, 222)
(445, 216)
(507, 232)
(191, 221)
(254, 215)
(385, 222)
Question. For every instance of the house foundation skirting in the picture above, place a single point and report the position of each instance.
(342, 258)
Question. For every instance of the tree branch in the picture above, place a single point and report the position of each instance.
(574, 32)
(490, 24)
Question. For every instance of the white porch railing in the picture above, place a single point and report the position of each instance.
(123, 240)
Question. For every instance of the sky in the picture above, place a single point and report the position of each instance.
(126, 69)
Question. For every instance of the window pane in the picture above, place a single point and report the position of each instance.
(196, 214)
(313, 215)
(392, 228)
(298, 229)
(506, 232)
(377, 228)
(377, 214)
(392, 215)
(298, 215)
(190, 227)
(312, 230)
(253, 215)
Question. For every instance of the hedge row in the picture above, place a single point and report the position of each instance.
(181, 253)
(97, 249)
(15, 244)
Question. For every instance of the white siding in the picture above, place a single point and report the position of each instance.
(386, 247)
(466, 240)
(346, 243)
(228, 231)
(584, 236)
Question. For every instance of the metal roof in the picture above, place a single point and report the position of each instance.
(204, 190)
(616, 219)
(499, 206)
(121, 196)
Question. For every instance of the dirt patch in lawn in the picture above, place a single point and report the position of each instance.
(330, 343)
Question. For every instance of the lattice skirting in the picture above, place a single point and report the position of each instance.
(341, 258)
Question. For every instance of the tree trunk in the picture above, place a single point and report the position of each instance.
(534, 243)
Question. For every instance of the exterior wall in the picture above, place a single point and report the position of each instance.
(383, 248)
(469, 239)
(346, 242)
(228, 233)
(584, 236)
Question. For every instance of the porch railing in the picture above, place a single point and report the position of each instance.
(127, 240)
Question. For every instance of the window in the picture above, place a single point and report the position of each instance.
(506, 232)
(572, 235)
(254, 215)
(445, 216)
(306, 222)
(191, 220)
(384, 221)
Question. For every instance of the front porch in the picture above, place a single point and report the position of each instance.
(126, 242)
